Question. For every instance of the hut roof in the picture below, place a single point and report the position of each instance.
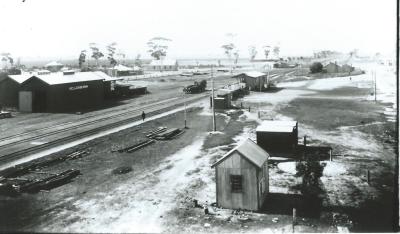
(276, 126)
(249, 150)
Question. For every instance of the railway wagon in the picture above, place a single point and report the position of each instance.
(61, 93)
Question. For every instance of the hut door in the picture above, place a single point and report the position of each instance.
(25, 101)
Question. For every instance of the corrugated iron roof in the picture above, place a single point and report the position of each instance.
(276, 126)
(163, 62)
(251, 151)
(252, 74)
(20, 78)
(53, 64)
(59, 78)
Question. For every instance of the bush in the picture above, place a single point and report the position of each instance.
(316, 67)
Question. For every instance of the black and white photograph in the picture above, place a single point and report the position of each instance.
(199, 116)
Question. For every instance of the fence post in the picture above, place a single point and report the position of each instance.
(294, 219)
(330, 155)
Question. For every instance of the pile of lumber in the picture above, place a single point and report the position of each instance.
(137, 146)
(49, 182)
(168, 134)
(156, 131)
(31, 186)
(31, 166)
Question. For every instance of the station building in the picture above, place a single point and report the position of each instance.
(67, 91)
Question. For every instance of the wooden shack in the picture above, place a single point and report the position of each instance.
(254, 80)
(278, 137)
(241, 177)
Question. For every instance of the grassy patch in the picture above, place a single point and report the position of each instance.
(341, 112)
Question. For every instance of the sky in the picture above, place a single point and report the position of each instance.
(62, 28)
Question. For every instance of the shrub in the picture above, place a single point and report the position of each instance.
(316, 67)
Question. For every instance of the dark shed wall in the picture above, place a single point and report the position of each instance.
(69, 97)
(66, 97)
(9, 92)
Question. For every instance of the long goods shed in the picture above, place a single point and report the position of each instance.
(58, 92)
(9, 89)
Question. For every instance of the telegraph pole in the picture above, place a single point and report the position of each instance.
(212, 99)
(375, 84)
(184, 101)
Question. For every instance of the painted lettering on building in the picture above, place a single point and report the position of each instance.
(78, 87)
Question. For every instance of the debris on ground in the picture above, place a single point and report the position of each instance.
(207, 225)
(168, 134)
(122, 170)
(137, 146)
(275, 220)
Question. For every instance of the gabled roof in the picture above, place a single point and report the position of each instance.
(20, 78)
(163, 62)
(59, 78)
(252, 74)
(53, 64)
(121, 67)
(249, 150)
(276, 126)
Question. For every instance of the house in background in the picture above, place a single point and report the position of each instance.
(241, 177)
(162, 65)
(54, 66)
(332, 68)
(121, 70)
(254, 80)
(346, 68)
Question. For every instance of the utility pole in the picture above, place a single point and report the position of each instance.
(375, 84)
(184, 101)
(212, 99)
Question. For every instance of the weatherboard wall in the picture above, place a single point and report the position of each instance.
(249, 198)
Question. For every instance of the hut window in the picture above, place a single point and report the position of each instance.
(236, 183)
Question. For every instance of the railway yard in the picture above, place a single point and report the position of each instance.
(143, 175)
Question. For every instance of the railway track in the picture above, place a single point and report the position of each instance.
(18, 148)
(2, 139)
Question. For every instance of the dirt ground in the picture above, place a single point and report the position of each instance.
(157, 195)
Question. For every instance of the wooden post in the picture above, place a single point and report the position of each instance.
(330, 155)
(294, 219)
(368, 176)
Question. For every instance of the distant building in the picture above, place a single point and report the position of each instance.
(254, 80)
(346, 68)
(332, 68)
(121, 70)
(223, 99)
(54, 66)
(241, 177)
(278, 137)
(163, 65)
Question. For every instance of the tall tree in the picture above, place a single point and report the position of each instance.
(82, 58)
(236, 56)
(6, 57)
(267, 50)
(138, 62)
(96, 53)
(111, 48)
(252, 52)
(276, 51)
(158, 47)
